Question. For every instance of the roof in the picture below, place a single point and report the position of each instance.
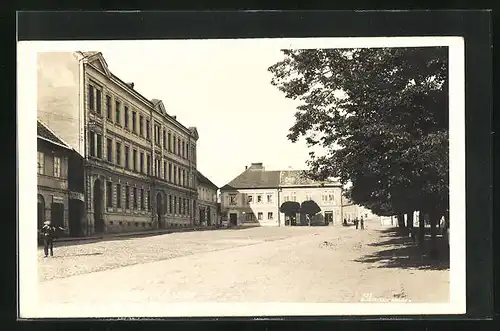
(205, 180)
(257, 177)
(43, 132)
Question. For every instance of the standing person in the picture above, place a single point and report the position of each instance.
(356, 221)
(362, 223)
(49, 233)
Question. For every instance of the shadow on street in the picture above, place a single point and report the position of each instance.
(403, 253)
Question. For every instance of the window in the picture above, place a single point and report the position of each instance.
(41, 163)
(324, 197)
(109, 194)
(330, 197)
(250, 217)
(175, 174)
(259, 216)
(91, 97)
(127, 197)
(109, 144)
(286, 198)
(141, 165)
(184, 206)
(118, 119)
(108, 107)
(179, 175)
(141, 124)
(125, 113)
(57, 166)
(175, 205)
(142, 199)
(148, 198)
(259, 198)
(294, 197)
(99, 146)
(187, 151)
(134, 160)
(164, 139)
(148, 164)
(92, 143)
(118, 153)
(232, 199)
(127, 152)
(164, 170)
(98, 101)
(170, 204)
(118, 196)
(182, 149)
(269, 198)
(270, 216)
(135, 197)
(169, 142)
(250, 198)
(188, 203)
(308, 196)
(170, 172)
(147, 130)
(134, 120)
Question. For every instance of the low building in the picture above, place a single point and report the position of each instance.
(208, 214)
(52, 178)
(254, 197)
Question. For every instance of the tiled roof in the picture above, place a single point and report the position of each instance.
(43, 131)
(205, 180)
(257, 177)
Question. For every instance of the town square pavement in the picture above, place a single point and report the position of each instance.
(264, 264)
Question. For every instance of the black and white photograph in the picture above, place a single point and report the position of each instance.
(242, 177)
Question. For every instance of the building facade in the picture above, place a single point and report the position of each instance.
(139, 161)
(254, 197)
(208, 213)
(52, 178)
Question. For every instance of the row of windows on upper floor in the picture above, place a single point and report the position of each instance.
(138, 161)
(207, 194)
(141, 128)
(135, 200)
(42, 167)
(233, 200)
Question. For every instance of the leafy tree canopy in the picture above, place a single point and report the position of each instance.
(290, 208)
(381, 115)
(309, 207)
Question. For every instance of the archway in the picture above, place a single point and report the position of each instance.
(41, 211)
(159, 209)
(98, 207)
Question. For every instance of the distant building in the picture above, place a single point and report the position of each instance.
(254, 197)
(208, 213)
(138, 161)
(352, 211)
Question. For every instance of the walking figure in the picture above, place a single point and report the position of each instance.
(356, 221)
(362, 223)
(49, 234)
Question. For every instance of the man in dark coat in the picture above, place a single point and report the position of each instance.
(49, 234)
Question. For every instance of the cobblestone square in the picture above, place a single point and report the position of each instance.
(263, 264)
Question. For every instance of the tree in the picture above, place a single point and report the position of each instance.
(381, 115)
(290, 208)
(310, 208)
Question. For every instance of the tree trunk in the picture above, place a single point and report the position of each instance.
(434, 220)
(409, 224)
(401, 220)
(421, 228)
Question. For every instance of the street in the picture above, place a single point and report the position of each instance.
(264, 264)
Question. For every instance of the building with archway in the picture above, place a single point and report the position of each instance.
(139, 161)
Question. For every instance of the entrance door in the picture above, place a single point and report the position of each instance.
(41, 211)
(159, 210)
(233, 219)
(328, 217)
(57, 214)
(209, 220)
(98, 207)
(76, 210)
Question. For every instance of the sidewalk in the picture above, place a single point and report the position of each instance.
(110, 236)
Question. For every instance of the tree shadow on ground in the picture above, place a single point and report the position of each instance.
(402, 252)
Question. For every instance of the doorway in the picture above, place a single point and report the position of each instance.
(233, 219)
(328, 217)
(159, 210)
(41, 211)
(98, 206)
(209, 219)
(57, 214)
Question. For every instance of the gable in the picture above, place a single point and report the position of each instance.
(98, 62)
(160, 107)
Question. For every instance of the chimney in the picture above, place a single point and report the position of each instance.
(246, 167)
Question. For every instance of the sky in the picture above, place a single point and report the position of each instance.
(224, 91)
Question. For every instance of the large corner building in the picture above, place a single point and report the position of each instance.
(139, 162)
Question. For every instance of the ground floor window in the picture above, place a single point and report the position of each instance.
(109, 194)
(270, 216)
(250, 217)
(259, 216)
